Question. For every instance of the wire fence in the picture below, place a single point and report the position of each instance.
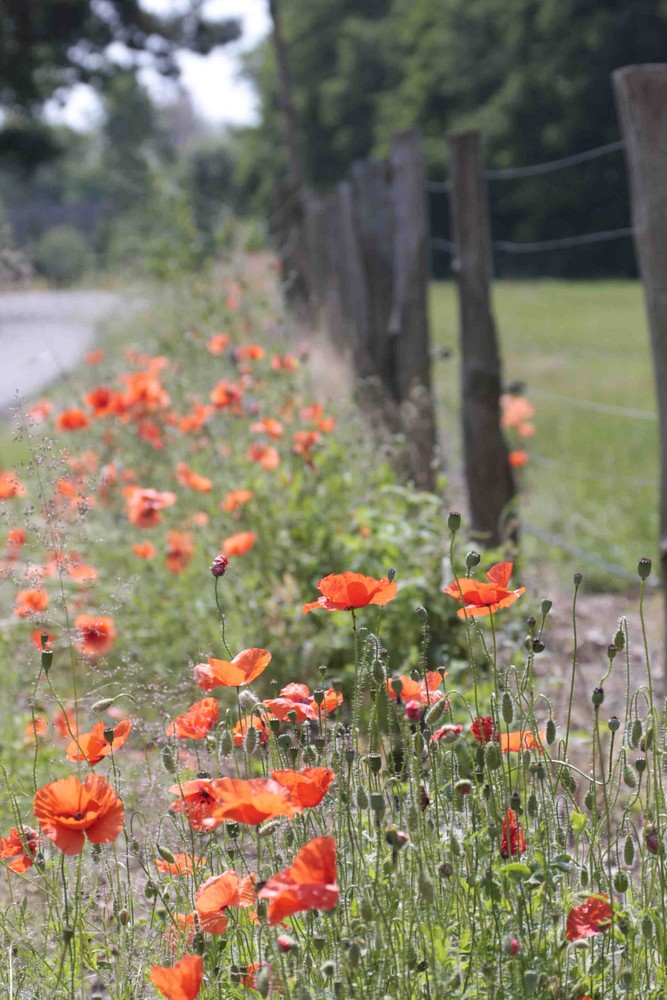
(563, 469)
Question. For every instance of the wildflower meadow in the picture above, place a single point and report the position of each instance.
(270, 727)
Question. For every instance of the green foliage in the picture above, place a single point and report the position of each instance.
(62, 255)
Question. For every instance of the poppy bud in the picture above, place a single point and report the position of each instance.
(377, 672)
(395, 838)
(653, 842)
(531, 805)
(397, 686)
(414, 710)
(435, 712)
(421, 612)
(454, 521)
(339, 989)
(391, 573)
(493, 756)
(445, 870)
(629, 851)
(219, 565)
(123, 917)
(538, 646)
(320, 743)
(263, 981)
(319, 940)
(546, 607)
(644, 568)
(418, 743)
(292, 716)
(619, 640)
(226, 742)
(102, 705)
(165, 854)
(512, 946)
(647, 927)
(551, 731)
(597, 697)
(589, 800)
(472, 559)
(628, 776)
(362, 798)
(507, 708)
(169, 759)
(150, 890)
(583, 877)
(268, 829)
(577, 578)
(614, 724)
(647, 742)
(286, 943)
(621, 881)
(611, 650)
(250, 741)
(284, 741)
(515, 800)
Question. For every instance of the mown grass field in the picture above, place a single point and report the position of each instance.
(592, 478)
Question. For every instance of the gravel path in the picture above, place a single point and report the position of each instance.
(44, 334)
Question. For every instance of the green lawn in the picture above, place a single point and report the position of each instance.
(592, 478)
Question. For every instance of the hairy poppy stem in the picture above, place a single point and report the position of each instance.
(222, 618)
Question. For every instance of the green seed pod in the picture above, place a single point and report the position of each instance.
(377, 803)
(436, 712)
(454, 521)
(374, 762)
(647, 742)
(551, 731)
(619, 640)
(629, 851)
(597, 697)
(310, 755)
(644, 568)
(320, 743)
(328, 969)
(546, 607)
(640, 765)
(614, 724)
(531, 805)
(274, 725)
(377, 672)
(629, 776)
(493, 756)
(362, 798)
(421, 613)
(507, 709)
(165, 854)
(589, 800)
(319, 940)
(250, 741)
(123, 917)
(472, 559)
(647, 927)
(621, 881)
(635, 733)
(418, 743)
(169, 758)
(583, 877)
(150, 890)
(397, 686)
(285, 741)
(102, 705)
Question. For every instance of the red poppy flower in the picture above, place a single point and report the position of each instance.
(521, 740)
(307, 787)
(447, 734)
(297, 698)
(193, 480)
(102, 400)
(94, 746)
(197, 722)
(30, 602)
(21, 847)
(72, 420)
(96, 634)
(424, 692)
(216, 894)
(226, 394)
(68, 808)
(10, 486)
(183, 864)
(94, 357)
(196, 800)
(195, 420)
(484, 598)
(309, 883)
(243, 669)
(250, 722)
(145, 550)
(591, 918)
(218, 343)
(513, 841)
(269, 426)
(180, 549)
(284, 363)
(144, 505)
(484, 730)
(234, 499)
(239, 544)
(515, 410)
(518, 458)
(265, 455)
(347, 591)
(181, 981)
(40, 410)
(65, 724)
(249, 802)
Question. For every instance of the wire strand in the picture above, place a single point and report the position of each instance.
(509, 173)
(567, 241)
(588, 404)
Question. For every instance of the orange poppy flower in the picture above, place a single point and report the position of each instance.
(14, 542)
(347, 591)
(307, 787)
(425, 692)
(521, 740)
(94, 746)
(197, 722)
(218, 343)
(196, 800)
(68, 809)
(591, 918)
(145, 550)
(513, 841)
(181, 981)
(484, 598)
(187, 477)
(284, 363)
(250, 352)
(40, 410)
(249, 802)
(484, 730)
(94, 357)
(234, 295)
(144, 392)
(36, 728)
(304, 442)
(247, 722)
(239, 544)
(518, 458)
(234, 499)
(515, 410)
(226, 394)
(269, 426)
(243, 669)
(309, 883)
(96, 634)
(216, 894)
(195, 420)
(298, 699)
(30, 602)
(180, 549)
(72, 420)
(183, 864)
(265, 455)
(79, 571)
(10, 486)
(144, 505)
(21, 847)
(102, 400)
(64, 723)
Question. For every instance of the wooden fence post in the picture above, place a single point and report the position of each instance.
(408, 322)
(488, 475)
(641, 101)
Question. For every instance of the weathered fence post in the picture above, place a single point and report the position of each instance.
(408, 322)
(488, 474)
(641, 100)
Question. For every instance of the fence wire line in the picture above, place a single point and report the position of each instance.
(561, 543)
(589, 404)
(610, 479)
(509, 173)
(505, 246)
